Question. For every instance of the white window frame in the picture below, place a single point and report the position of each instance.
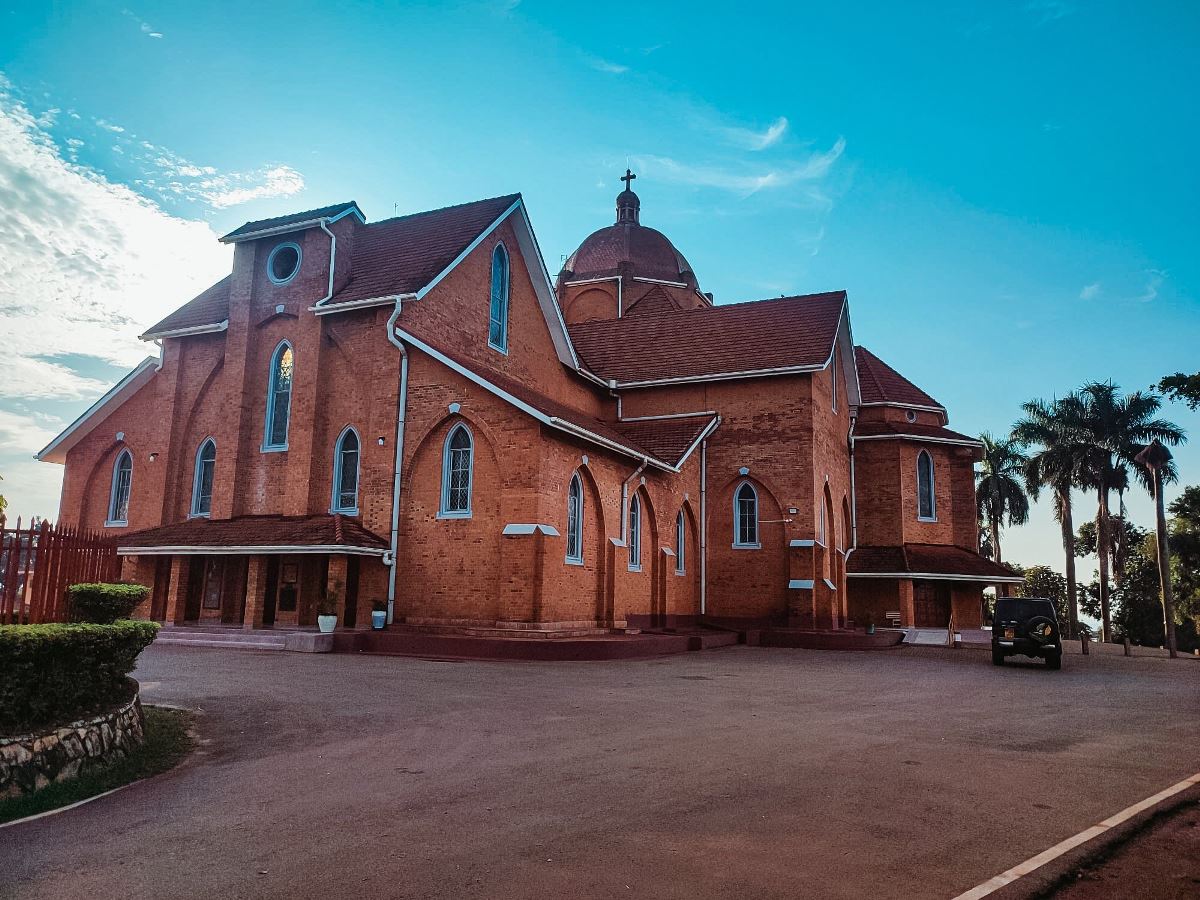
(574, 529)
(635, 534)
(198, 477)
(502, 321)
(339, 461)
(680, 543)
(111, 521)
(932, 488)
(738, 543)
(272, 397)
(279, 282)
(444, 511)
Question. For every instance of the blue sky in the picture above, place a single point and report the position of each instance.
(1007, 191)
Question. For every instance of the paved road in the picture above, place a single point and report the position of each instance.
(739, 773)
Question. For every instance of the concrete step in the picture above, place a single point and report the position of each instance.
(709, 640)
(484, 631)
(201, 641)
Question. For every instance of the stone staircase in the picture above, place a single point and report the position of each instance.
(234, 638)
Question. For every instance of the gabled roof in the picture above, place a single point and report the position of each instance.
(56, 450)
(881, 384)
(937, 561)
(403, 255)
(668, 439)
(206, 310)
(254, 534)
(759, 337)
(549, 411)
(279, 224)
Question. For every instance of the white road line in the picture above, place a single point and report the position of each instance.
(1036, 862)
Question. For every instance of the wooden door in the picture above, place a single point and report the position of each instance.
(931, 605)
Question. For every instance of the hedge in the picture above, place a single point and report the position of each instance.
(104, 603)
(54, 674)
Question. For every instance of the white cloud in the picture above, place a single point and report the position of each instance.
(1154, 281)
(205, 184)
(749, 181)
(758, 140)
(1047, 11)
(144, 27)
(85, 264)
(603, 65)
(1090, 291)
(230, 190)
(109, 126)
(26, 433)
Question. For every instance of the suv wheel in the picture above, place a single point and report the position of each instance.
(997, 657)
(1054, 661)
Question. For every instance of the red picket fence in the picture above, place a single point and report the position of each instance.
(38, 563)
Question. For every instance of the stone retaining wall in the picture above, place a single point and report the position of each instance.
(29, 762)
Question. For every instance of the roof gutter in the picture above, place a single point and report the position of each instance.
(185, 332)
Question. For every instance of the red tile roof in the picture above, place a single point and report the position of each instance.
(400, 256)
(667, 439)
(909, 429)
(325, 212)
(547, 406)
(395, 256)
(925, 559)
(258, 531)
(208, 308)
(783, 333)
(880, 383)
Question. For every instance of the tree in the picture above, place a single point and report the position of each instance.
(1059, 462)
(999, 488)
(1184, 388)
(1043, 581)
(3, 503)
(1114, 427)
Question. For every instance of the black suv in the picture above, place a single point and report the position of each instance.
(1028, 626)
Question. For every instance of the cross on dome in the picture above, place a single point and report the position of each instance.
(628, 179)
(628, 205)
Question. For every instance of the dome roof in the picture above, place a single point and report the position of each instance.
(628, 248)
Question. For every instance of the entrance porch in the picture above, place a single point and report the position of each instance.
(240, 572)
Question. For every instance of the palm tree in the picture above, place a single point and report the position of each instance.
(1115, 428)
(1059, 463)
(999, 489)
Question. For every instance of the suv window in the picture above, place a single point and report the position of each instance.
(1023, 608)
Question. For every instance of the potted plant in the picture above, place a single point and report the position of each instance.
(378, 615)
(870, 624)
(327, 613)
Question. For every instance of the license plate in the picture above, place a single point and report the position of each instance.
(1010, 633)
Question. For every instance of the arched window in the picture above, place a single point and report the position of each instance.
(926, 510)
(202, 479)
(456, 474)
(498, 307)
(680, 543)
(745, 516)
(635, 534)
(345, 473)
(279, 398)
(122, 482)
(575, 520)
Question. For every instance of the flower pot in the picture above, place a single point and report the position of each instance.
(871, 628)
(327, 624)
(378, 619)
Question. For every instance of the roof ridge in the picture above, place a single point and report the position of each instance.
(512, 198)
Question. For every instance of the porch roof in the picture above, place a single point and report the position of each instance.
(938, 562)
(244, 535)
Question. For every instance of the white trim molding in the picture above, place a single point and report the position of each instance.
(249, 550)
(519, 528)
(56, 450)
(939, 576)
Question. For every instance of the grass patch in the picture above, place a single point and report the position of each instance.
(167, 743)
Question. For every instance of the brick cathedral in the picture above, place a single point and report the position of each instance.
(413, 412)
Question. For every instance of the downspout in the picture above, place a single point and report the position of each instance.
(323, 223)
(853, 495)
(401, 408)
(703, 526)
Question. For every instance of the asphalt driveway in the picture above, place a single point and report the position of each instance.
(742, 772)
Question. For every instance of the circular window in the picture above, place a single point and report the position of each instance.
(911, 416)
(283, 263)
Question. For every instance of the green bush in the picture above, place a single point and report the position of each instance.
(104, 603)
(54, 674)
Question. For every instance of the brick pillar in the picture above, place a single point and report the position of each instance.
(802, 575)
(907, 611)
(177, 591)
(335, 583)
(256, 592)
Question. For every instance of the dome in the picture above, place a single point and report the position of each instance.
(628, 248)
